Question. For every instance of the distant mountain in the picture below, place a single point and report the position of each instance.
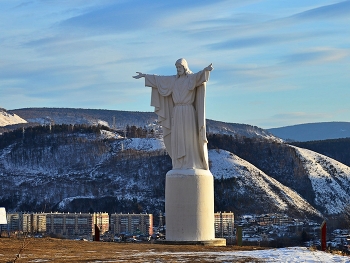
(9, 118)
(240, 130)
(120, 119)
(313, 131)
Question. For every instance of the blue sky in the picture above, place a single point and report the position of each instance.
(276, 63)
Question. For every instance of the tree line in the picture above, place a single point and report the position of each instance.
(32, 133)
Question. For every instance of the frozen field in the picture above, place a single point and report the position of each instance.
(57, 250)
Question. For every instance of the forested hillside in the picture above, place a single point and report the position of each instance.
(291, 168)
(338, 149)
(94, 168)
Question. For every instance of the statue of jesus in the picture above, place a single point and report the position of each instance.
(179, 102)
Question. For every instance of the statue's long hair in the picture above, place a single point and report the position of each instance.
(183, 62)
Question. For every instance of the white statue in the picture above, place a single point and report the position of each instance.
(179, 102)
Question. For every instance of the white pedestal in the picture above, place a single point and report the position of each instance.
(189, 206)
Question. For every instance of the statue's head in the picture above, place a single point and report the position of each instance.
(182, 67)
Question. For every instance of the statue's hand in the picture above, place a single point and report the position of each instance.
(209, 68)
(140, 75)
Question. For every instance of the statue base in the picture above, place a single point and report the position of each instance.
(217, 242)
(189, 207)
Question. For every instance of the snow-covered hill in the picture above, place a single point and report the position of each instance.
(329, 178)
(88, 168)
(254, 184)
(7, 118)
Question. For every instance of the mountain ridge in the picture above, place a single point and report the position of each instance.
(120, 119)
(313, 131)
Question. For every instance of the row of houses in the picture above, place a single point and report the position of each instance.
(83, 224)
(267, 219)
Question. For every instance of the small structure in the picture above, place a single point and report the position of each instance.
(3, 220)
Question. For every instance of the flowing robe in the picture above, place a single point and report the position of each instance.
(180, 105)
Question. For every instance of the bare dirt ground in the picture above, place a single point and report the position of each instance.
(61, 250)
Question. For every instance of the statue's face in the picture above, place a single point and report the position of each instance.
(180, 69)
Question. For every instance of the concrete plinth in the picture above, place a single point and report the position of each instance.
(217, 242)
(189, 207)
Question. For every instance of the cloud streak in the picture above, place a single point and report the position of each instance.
(332, 11)
(316, 55)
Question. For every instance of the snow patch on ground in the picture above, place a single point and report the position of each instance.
(286, 255)
(9, 118)
(109, 135)
(144, 144)
(66, 201)
(100, 122)
(293, 254)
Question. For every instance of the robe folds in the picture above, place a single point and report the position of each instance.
(180, 105)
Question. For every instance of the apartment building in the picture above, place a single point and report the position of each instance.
(76, 224)
(27, 222)
(131, 224)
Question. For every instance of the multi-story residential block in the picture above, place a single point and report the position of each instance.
(27, 222)
(14, 222)
(224, 224)
(76, 224)
(70, 224)
(132, 224)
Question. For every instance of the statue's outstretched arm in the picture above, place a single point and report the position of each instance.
(209, 68)
(140, 75)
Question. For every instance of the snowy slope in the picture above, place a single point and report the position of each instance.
(252, 182)
(9, 118)
(144, 144)
(330, 180)
(236, 129)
